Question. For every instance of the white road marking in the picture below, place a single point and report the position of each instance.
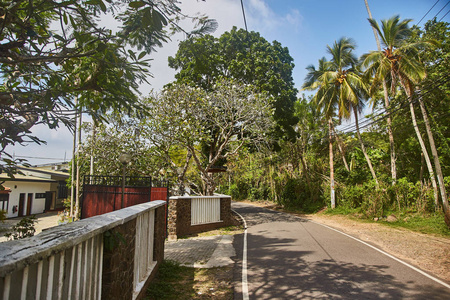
(388, 255)
(244, 262)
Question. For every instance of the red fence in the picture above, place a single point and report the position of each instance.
(103, 194)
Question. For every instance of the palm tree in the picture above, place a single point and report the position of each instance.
(398, 62)
(315, 80)
(339, 86)
(386, 107)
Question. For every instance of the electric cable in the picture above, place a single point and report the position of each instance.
(428, 12)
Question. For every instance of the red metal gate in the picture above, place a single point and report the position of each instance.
(103, 194)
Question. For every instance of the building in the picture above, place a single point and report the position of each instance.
(38, 189)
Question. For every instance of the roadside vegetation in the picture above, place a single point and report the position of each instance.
(370, 133)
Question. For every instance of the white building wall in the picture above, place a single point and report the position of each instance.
(26, 187)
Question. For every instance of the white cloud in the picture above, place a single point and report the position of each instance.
(295, 19)
(227, 13)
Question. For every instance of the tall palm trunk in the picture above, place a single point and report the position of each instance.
(369, 163)
(386, 107)
(330, 136)
(409, 93)
(437, 164)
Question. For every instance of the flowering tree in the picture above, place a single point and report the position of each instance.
(210, 125)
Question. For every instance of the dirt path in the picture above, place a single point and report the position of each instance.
(427, 252)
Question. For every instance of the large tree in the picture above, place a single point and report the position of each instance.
(339, 87)
(224, 119)
(247, 57)
(387, 107)
(52, 52)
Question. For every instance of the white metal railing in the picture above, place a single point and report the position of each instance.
(205, 210)
(65, 262)
(144, 261)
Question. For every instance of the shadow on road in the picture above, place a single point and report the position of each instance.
(278, 270)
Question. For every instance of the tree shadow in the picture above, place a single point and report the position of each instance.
(257, 215)
(276, 270)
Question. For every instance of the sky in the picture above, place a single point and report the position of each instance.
(305, 27)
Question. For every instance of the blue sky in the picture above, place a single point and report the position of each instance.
(306, 27)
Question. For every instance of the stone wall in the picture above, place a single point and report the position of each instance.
(118, 262)
(81, 242)
(179, 217)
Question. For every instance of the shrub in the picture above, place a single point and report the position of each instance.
(23, 229)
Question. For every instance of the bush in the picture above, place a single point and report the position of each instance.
(239, 190)
(23, 229)
(376, 200)
(407, 196)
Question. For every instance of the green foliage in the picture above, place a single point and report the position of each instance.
(23, 229)
(57, 51)
(209, 125)
(403, 197)
(425, 223)
(246, 57)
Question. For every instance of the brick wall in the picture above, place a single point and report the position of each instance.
(118, 263)
(179, 217)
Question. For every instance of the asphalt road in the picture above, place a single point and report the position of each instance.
(293, 258)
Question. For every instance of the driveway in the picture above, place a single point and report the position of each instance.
(292, 258)
(44, 221)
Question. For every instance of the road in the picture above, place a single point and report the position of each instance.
(292, 258)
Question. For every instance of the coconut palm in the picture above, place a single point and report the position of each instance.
(339, 87)
(386, 106)
(315, 80)
(398, 62)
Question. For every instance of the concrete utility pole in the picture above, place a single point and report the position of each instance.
(77, 197)
(72, 177)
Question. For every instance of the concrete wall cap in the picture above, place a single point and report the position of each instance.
(216, 196)
(20, 253)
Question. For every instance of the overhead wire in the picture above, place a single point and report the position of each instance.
(243, 13)
(428, 12)
(392, 110)
(444, 15)
(385, 113)
(442, 9)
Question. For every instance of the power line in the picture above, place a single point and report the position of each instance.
(444, 15)
(385, 113)
(427, 12)
(243, 13)
(442, 9)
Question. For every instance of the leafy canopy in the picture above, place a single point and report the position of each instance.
(244, 56)
(52, 52)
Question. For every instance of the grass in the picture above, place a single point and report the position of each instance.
(423, 223)
(428, 224)
(178, 282)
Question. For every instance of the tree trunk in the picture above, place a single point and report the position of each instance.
(419, 137)
(330, 136)
(386, 107)
(342, 151)
(210, 185)
(422, 166)
(369, 163)
(390, 134)
(437, 164)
